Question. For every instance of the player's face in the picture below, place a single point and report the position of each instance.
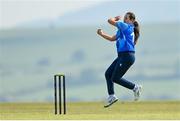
(126, 19)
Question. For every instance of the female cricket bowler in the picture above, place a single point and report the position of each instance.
(126, 39)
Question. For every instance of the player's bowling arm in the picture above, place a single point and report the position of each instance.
(113, 21)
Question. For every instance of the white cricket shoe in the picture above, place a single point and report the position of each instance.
(137, 92)
(111, 100)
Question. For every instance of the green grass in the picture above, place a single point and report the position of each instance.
(93, 110)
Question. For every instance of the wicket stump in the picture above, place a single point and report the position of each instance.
(58, 79)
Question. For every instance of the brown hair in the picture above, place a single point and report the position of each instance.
(136, 26)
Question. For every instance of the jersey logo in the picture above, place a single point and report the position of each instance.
(132, 35)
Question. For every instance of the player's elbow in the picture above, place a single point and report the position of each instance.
(112, 39)
(110, 21)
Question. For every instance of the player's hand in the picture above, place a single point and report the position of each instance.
(117, 18)
(99, 31)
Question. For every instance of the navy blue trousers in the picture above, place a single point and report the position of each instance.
(117, 69)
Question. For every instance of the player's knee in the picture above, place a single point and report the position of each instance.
(115, 78)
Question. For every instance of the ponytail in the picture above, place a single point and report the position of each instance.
(136, 25)
(136, 31)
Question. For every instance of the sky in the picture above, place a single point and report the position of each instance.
(19, 12)
(14, 12)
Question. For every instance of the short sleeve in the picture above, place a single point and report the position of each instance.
(121, 25)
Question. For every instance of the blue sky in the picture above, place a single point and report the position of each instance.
(15, 12)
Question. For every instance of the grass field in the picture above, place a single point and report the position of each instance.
(93, 110)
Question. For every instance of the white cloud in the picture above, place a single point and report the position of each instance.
(15, 12)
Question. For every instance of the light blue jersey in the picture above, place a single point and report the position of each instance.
(125, 37)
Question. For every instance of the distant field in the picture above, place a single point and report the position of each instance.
(92, 110)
